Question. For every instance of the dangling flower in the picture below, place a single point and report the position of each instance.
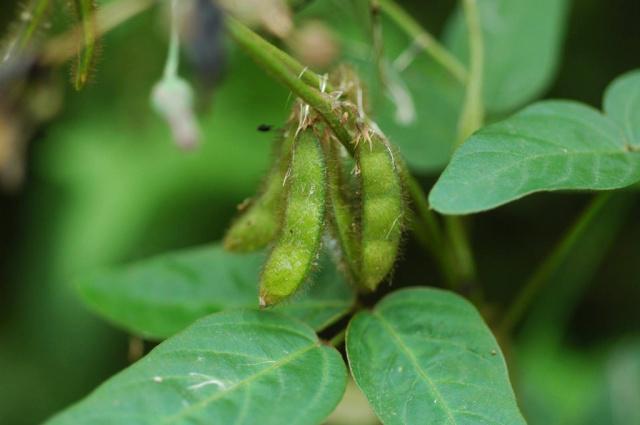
(173, 99)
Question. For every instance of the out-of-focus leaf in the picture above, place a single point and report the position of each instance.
(556, 386)
(240, 367)
(426, 356)
(622, 104)
(158, 297)
(522, 41)
(560, 385)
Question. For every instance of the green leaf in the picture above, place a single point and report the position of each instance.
(522, 47)
(425, 356)
(622, 104)
(551, 145)
(232, 367)
(158, 297)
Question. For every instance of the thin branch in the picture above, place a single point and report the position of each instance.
(472, 116)
(262, 52)
(541, 277)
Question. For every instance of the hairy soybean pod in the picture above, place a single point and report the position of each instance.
(382, 210)
(303, 223)
(259, 225)
(84, 11)
(341, 215)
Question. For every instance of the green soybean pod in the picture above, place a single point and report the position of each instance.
(259, 224)
(298, 243)
(84, 11)
(340, 210)
(382, 209)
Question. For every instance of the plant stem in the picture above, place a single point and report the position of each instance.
(262, 52)
(339, 338)
(536, 283)
(173, 57)
(462, 257)
(472, 116)
(471, 119)
(428, 231)
(423, 39)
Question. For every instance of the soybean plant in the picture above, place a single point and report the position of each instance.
(314, 273)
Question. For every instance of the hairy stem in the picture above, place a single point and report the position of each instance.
(423, 39)
(536, 283)
(262, 52)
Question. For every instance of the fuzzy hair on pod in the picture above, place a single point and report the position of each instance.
(298, 243)
(382, 209)
(259, 224)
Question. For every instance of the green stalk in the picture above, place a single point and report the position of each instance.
(428, 232)
(471, 119)
(472, 116)
(262, 52)
(338, 339)
(462, 259)
(173, 57)
(536, 283)
(423, 39)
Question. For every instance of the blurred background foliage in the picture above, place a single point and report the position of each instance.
(105, 184)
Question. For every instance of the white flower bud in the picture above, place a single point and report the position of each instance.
(173, 99)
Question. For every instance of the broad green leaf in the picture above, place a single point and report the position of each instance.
(551, 145)
(522, 46)
(622, 104)
(158, 297)
(242, 367)
(426, 356)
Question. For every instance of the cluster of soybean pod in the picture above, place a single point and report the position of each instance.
(315, 190)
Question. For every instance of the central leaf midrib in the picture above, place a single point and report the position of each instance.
(414, 361)
(220, 394)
